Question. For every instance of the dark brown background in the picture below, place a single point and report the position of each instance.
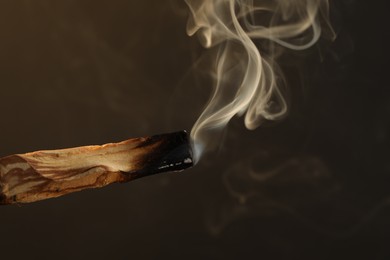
(314, 186)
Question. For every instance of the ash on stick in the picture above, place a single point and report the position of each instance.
(47, 174)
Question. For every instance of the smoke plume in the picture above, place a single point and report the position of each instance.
(247, 36)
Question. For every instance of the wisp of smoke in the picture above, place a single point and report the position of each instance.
(246, 81)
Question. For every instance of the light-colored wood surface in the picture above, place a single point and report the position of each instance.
(46, 174)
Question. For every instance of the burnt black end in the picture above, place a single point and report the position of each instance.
(174, 153)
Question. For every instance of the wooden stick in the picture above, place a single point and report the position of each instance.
(47, 174)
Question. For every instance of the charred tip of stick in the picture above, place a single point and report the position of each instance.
(173, 154)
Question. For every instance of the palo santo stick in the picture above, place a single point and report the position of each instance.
(47, 174)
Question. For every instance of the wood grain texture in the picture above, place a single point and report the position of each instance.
(46, 174)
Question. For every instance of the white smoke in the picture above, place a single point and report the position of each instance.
(246, 82)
